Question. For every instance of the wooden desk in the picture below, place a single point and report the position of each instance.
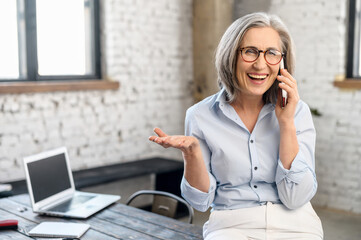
(118, 221)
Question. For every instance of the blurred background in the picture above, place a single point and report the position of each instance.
(98, 76)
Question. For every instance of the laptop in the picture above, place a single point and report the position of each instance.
(51, 187)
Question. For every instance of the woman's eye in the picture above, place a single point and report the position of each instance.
(251, 51)
(273, 53)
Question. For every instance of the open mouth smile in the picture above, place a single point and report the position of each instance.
(257, 77)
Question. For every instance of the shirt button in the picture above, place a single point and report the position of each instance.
(255, 168)
(255, 186)
(251, 141)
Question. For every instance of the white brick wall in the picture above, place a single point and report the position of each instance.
(147, 47)
(319, 30)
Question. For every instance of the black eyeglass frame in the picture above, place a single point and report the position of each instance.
(264, 55)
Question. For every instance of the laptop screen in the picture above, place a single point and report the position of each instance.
(48, 176)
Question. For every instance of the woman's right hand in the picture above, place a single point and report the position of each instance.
(187, 144)
(195, 170)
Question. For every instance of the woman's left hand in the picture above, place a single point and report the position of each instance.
(286, 115)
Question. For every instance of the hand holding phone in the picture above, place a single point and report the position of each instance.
(284, 93)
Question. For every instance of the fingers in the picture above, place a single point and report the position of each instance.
(183, 143)
(292, 91)
(286, 74)
(286, 87)
(287, 78)
(159, 132)
(159, 140)
(290, 84)
(288, 81)
(167, 142)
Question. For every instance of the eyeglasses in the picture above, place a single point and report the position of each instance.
(251, 54)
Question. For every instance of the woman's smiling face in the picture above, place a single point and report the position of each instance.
(255, 78)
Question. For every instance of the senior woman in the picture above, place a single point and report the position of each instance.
(245, 156)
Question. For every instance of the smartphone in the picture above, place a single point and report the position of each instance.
(284, 93)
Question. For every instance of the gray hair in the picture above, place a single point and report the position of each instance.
(227, 52)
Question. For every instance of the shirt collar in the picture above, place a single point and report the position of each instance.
(269, 107)
(221, 99)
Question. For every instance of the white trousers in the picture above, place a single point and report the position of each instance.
(267, 222)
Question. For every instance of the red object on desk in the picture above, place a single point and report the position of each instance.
(8, 224)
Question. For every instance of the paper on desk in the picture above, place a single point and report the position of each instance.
(59, 229)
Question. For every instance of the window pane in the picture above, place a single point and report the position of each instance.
(357, 40)
(358, 58)
(64, 39)
(357, 44)
(9, 48)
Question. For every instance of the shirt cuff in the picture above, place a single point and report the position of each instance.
(295, 173)
(197, 198)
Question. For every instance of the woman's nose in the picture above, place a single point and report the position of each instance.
(260, 63)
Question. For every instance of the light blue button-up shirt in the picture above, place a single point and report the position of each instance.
(244, 168)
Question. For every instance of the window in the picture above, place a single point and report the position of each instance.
(353, 69)
(49, 40)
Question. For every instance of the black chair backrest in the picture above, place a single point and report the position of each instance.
(164, 203)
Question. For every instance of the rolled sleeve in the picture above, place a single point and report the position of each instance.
(295, 173)
(198, 199)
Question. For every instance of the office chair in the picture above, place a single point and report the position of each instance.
(164, 203)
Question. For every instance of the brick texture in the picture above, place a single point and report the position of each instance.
(147, 47)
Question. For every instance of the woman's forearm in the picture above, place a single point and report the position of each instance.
(288, 144)
(195, 170)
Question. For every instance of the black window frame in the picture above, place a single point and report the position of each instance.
(353, 41)
(31, 69)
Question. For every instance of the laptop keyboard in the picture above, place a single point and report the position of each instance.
(70, 204)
